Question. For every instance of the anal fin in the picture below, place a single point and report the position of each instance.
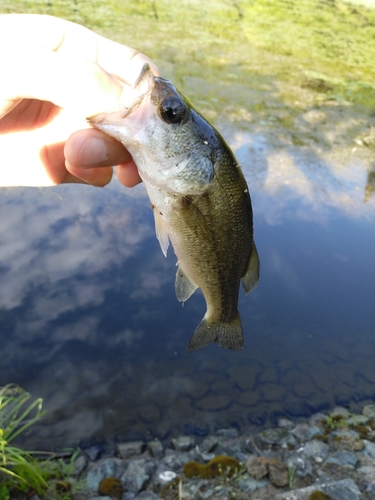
(251, 278)
(184, 286)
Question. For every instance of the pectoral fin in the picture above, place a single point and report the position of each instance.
(251, 277)
(184, 286)
(161, 232)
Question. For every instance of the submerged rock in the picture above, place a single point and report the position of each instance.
(138, 472)
(130, 449)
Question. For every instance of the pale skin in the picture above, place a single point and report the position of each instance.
(55, 74)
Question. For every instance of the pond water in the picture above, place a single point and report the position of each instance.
(91, 324)
(89, 317)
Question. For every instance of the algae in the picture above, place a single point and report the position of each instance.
(219, 465)
(319, 495)
(110, 486)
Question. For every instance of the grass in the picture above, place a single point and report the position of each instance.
(20, 468)
(23, 471)
(233, 44)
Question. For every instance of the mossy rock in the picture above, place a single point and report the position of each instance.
(220, 464)
(110, 486)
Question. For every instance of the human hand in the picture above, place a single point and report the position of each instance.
(54, 74)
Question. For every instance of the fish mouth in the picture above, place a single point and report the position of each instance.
(131, 99)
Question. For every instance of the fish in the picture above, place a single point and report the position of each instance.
(199, 197)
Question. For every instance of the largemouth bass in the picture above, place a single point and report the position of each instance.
(199, 197)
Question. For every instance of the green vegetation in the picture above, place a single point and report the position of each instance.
(302, 69)
(22, 471)
(307, 51)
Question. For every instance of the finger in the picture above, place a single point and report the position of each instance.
(65, 65)
(72, 39)
(79, 86)
(91, 148)
(127, 174)
(98, 177)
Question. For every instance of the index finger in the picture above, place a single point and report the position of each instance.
(62, 62)
(74, 40)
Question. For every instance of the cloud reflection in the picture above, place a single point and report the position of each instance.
(304, 182)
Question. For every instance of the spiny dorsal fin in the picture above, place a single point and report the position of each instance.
(228, 335)
(251, 277)
(184, 286)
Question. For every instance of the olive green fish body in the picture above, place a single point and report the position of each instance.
(200, 200)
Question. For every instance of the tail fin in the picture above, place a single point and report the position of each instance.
(228, 335)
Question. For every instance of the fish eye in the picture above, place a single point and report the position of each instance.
(172, 110)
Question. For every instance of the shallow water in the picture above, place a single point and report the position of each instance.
(91, 324)
(89, 319)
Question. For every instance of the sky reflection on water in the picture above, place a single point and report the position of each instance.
(90, 321)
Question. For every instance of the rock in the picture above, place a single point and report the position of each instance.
(256, 467)
(130, 448)
(278, 472)
(347, 443)
(94, 452)
(213, 402)
(249, 485)
(357, 420)
(110, 486)
(149, 413)
(156, 448)
(147, 495)
(174, 460)
(343, 458)
(346, 489)
(277, 435)
(300, 466)
(369, 449)
(183, 443)
(369, 411)
(110, 467)
(79, 465)
(247, 398)
(368, 473)
(208, 444)
(285, 423)
(137, 474)
(315, 449)
(343, 434)
(304, 432)
(228, 433)
(259, 467)
(230, 448)
(340, 411)
(245, 376)
(317, 419)
(272, 392)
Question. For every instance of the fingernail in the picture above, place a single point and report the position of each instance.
(93, 152)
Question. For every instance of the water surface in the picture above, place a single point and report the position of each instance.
(89, 318)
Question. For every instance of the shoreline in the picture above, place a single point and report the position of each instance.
(328, 455)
